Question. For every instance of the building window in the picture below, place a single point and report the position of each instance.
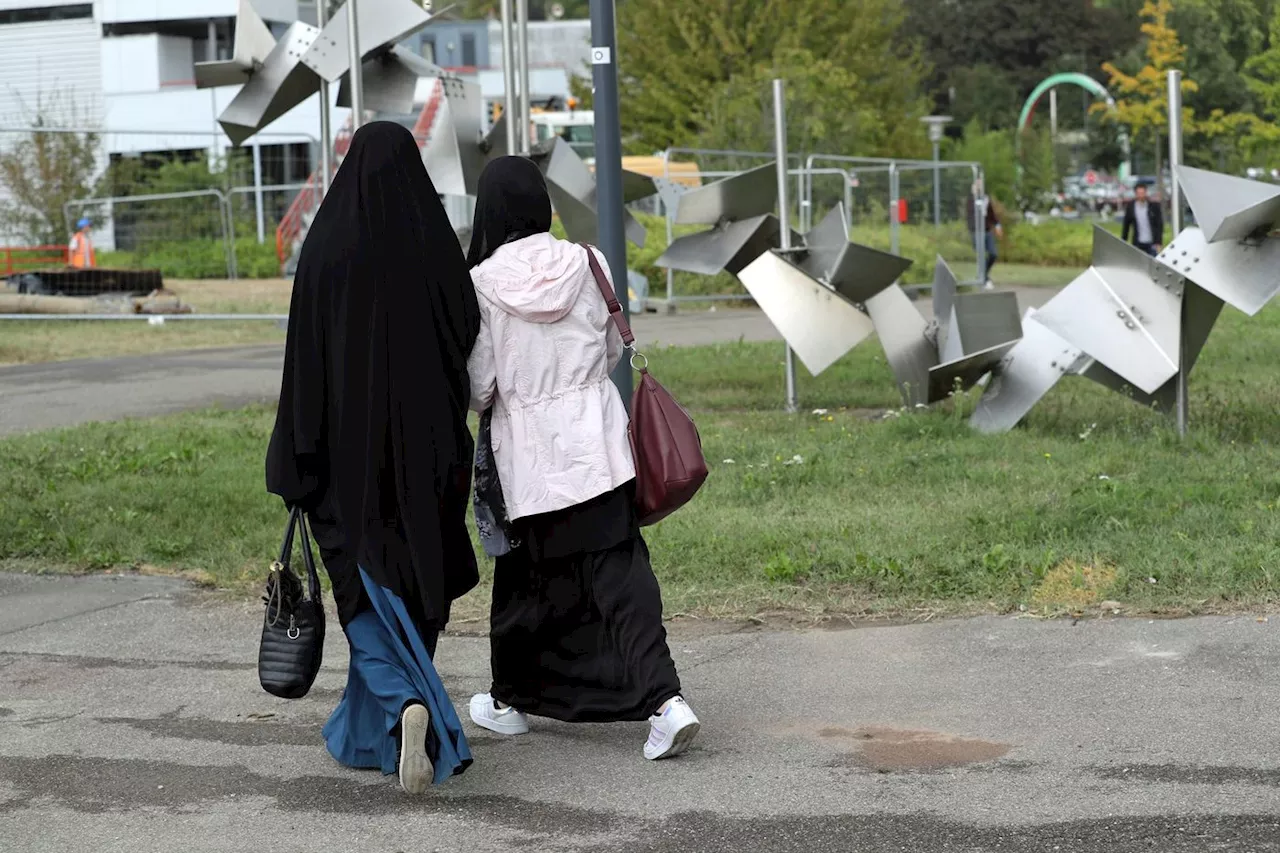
(49, 13)
(469, 50)
(429, 49)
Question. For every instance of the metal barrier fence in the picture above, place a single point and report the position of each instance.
(194, 233)
(876, 192)
(142, 231)
(257, 211)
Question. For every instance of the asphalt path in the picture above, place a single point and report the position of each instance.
(131, 721)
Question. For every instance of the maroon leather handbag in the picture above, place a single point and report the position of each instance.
(670, 467)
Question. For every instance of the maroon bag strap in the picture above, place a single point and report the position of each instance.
(610, 298)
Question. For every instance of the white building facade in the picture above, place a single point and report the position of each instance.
(126, 68)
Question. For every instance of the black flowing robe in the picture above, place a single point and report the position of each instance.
(371, 435)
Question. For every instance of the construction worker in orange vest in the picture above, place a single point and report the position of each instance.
(80, 253)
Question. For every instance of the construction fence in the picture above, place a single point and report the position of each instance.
(917, 209)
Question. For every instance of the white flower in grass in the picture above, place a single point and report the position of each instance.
(795, 460)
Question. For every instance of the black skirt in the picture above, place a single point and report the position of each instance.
(576, 627)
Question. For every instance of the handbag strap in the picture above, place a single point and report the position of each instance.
(309, 561)
(286, 547)
(298, 520)
(610, 299)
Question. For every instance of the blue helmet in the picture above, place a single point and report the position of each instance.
(83, 223)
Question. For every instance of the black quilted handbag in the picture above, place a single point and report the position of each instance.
(293, 626)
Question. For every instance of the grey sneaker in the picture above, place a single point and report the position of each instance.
(416, 769)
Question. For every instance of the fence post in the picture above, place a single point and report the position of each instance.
(893, 208)
(979, 224)
(848, 202)
(229, 235)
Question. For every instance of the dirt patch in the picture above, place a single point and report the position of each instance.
(1074, 587)
(885, 749)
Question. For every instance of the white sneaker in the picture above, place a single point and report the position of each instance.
(416, 769)
(990, 285)
(504, 721)
(671, 732)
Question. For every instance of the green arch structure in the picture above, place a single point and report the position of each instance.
(1084, 81)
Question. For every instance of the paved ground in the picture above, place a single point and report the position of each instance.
(130, 720)
(43, 396)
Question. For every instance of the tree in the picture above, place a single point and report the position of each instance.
(990, 54)
(994, 149)
(1142, 97)
(1262, 72)
(41, 172)
(675, 58)
(823, 111)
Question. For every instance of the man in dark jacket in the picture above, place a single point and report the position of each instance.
(1145, 220)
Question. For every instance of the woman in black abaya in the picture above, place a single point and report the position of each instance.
(576, 631)
(371, 440)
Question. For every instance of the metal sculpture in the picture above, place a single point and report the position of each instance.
(456, 153)
(969, 335)
(739, 210)
(829, 294)
(277, 76)
(1134, 323)
(813, 294)
(253, 44)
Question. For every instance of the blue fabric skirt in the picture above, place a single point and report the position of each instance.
(391, 667)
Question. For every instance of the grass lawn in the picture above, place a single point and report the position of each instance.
(850, 509)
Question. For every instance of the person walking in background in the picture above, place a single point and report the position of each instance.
(80, 253)
(576, 624)
(1144, 221)
(991, 226)
(371, 439)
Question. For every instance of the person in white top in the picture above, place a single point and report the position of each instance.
(576, 624)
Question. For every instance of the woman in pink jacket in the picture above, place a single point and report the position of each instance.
(576, 626)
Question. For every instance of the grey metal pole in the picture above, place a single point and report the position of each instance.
(1053, 116)
(980, 225)
(937, 185)
(1175, 149)
(357, 67)
(608, 134)
(326, 137)
(784, 212)
(669, 215)
(893, 208)
(211, 55)
(257, 192)
(522, 40)
(1175, 223)
(509, 81)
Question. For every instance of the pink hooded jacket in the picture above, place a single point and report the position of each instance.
(542, 360)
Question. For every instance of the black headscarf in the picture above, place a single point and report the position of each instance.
(371, 430)
(511, 203)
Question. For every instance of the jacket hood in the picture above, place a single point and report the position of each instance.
(537, 279)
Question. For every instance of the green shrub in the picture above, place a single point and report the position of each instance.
(195, 259)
